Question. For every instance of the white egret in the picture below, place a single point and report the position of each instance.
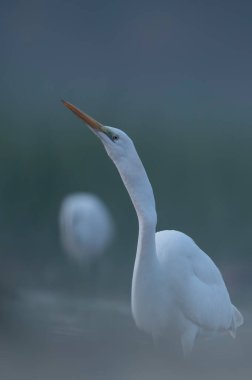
(81, 216)
(176, 287)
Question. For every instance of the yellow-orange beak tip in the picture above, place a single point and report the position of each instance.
(83, 116)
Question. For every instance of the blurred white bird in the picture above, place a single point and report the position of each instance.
(176, 287)
(86, 227)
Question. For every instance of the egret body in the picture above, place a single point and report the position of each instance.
(176, 287)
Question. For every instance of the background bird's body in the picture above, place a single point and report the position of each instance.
(176, 286)
(81, 216)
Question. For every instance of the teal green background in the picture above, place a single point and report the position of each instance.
(175, 76)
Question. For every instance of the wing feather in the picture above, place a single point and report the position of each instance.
(196, 282)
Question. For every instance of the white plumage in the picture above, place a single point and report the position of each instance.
(176, 288)
(86, 226)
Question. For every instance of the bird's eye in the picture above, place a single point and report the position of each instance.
(115, 138)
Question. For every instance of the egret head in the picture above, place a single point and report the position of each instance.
(121, 150)
(117, 144)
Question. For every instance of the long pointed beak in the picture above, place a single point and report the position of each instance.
(85, 117)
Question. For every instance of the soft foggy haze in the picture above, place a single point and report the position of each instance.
(174, 75)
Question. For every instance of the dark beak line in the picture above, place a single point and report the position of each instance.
(83, 116)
